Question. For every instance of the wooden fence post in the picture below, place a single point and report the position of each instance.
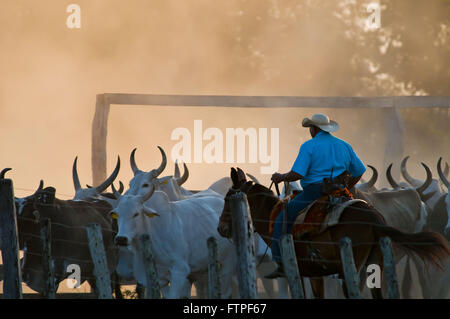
(348, 264)
(389, 268)
(12, 281)
(244, 244)
(214, 285)
(99, 137)
(152, 290)
(47, 261)
(98, 255)
(290, 266)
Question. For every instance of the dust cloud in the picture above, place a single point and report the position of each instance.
(50, 76)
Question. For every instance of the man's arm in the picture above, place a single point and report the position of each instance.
(288, 177)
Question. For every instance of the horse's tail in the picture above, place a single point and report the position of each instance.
(429, 246)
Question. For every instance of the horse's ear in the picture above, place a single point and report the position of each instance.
(234, 176)
(241, 174)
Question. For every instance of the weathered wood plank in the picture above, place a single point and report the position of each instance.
(152, 290)
(214, 284)
(98, 255)
(277, 101)
(244, 244)
(389, 268)
(47, 261)
(99, 134)
(12, 277)
(350, 273)
(290, 265)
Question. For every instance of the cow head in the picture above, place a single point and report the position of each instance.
(131, 213)
(91, 192)
(420, 189)
(144, 183)
(31, 210)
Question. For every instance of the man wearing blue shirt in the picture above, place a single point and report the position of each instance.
(323, 156)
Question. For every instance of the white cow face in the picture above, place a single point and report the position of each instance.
(131, 215)
(143, 184)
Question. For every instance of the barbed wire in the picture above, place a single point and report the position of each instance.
(67, 225)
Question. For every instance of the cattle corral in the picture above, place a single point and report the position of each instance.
(247, 273)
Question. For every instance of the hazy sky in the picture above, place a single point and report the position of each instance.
(50, 76)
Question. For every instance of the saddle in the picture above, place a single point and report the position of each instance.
(323, 212)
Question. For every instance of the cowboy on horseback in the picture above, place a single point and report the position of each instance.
(323, 156)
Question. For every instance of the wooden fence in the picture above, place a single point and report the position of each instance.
(242, 238)
(11, 270)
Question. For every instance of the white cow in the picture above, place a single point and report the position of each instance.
(196, 220)
(179, 232)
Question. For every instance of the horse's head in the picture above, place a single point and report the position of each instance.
(255, 194)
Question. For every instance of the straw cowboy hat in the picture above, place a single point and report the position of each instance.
(321, 121)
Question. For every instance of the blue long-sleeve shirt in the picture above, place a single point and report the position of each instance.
(322, 154)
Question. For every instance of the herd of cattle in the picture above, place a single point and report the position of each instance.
(180, 221)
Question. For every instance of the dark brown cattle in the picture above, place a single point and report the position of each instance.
(69, 243)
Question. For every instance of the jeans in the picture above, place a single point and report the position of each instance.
(295, 206)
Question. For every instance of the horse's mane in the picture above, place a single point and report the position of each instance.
(258, 189)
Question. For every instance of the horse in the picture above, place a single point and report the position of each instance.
(359, 221)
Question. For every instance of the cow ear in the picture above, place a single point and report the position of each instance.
(47, 196)
(150, 213)
(234, 177)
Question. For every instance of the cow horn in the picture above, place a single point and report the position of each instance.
(146, 198)
(41, 186)
(426, 197)
(185, 176)
(373, 179)
(161, 167)
(3, 172)
(76, 179)
(253, 178)
(411, 180)
(121, 187)
(446, 169)
(133, 162)
(442, 175)
(428, 181)
(102, 187)
(177, 173)
(116, 193)
(390, 178)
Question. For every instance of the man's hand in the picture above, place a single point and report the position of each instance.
(277, 178)
(288, 177)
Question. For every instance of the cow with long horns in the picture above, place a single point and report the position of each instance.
(69, 240)
(178, 229)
